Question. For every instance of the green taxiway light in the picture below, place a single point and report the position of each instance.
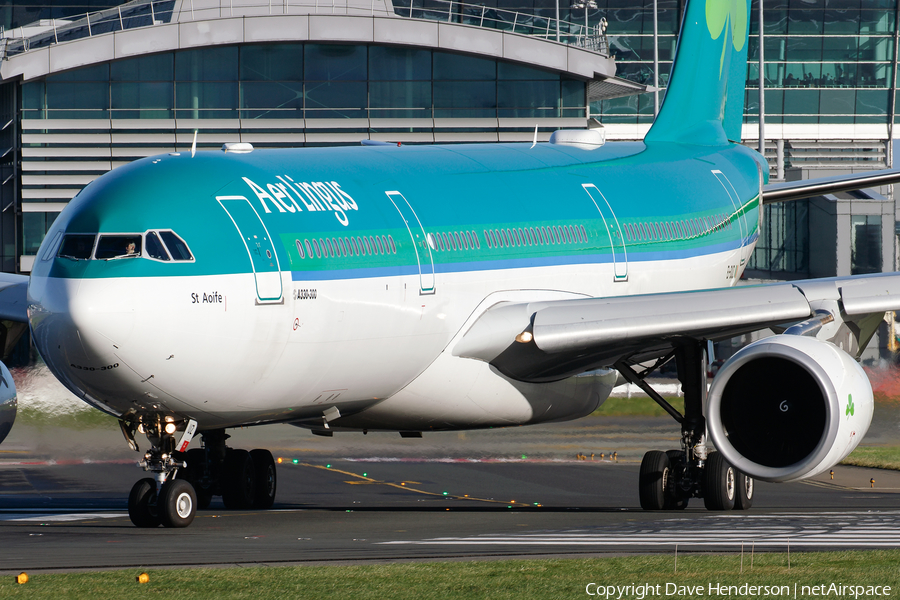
(365, 474)
(445, 493)
(524, 457)
(295, 461)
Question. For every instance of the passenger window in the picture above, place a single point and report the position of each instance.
(77, 246)
(177, 248)
(300, 249)
(118, 246)
(476, 240)
(155, 248)
(393, 245)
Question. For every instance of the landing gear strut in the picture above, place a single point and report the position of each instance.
(668, 480)
(184, 482)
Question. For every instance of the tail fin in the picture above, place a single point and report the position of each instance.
(704, 102)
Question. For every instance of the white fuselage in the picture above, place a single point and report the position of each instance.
(376, 349)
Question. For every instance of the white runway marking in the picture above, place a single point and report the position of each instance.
(58, 517)
(838, 530)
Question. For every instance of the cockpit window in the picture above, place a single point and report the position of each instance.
(118, 246)
(50, 248)
(77, 246)
(155, 248)
(177, 248)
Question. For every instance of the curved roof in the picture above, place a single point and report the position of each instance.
(204, 23)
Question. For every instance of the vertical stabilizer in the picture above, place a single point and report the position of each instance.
(704, 102)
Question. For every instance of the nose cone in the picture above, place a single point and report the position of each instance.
(77, 325)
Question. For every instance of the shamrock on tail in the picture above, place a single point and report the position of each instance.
(733, 13)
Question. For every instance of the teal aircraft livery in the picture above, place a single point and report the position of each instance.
(428, 288)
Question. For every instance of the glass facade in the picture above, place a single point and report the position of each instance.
(297, 81)
(826, 61)
(865, 244)
(783, 246)
(15, 13)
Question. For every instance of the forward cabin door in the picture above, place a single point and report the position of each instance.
(260, 248)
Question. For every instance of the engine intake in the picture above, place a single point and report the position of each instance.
(788, 407)
(8, 402)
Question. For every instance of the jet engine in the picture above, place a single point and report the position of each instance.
(788, 407)
(8, 402)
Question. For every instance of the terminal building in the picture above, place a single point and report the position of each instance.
(87, 86)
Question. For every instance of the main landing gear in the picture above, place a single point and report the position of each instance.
(183, 482)
(668, 480)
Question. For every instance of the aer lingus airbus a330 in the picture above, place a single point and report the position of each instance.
(430, 288)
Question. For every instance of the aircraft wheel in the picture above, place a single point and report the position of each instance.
(674, 501)
(743, 498)
(238, 480)
(719, 483)
(196, 459)
(653, 479)
(142, 507)
(266, 478)
(177, 503)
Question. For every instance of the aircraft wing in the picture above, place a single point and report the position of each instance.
(547, 341)
(808, 188)
(13, 297)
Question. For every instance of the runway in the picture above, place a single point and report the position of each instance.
(519, 492)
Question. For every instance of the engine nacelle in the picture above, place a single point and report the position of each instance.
(8, 402)
(788, 407)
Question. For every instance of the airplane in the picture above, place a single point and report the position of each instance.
(432, 288)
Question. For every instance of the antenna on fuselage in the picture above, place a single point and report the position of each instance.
(534, 142)
(194, 144)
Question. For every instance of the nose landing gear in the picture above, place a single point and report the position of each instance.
(161, 499)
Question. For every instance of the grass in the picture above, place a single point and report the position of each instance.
(497, 580)
(90, 418)
(636, 407)
(878, 457)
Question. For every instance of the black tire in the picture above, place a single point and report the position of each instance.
(743, 498)
(719, 480)
(238, 480)
(195, 474)
(652, 480)
(142, 504)
(674, 501)
(266, 479)
(177, 503)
